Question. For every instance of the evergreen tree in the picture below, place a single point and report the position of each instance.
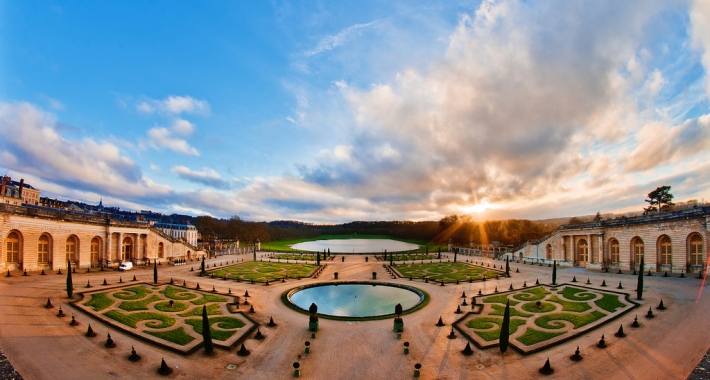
(155, 271)
(507, 266)
(202, 266)
(318, 258)
(206, 332)
(505, 329)
(660, 199)
(70, 287)
(554, 273)
(639, 284)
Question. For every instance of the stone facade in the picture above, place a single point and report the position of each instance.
(36, 239)
(672, 241)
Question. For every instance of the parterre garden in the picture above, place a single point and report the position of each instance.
(541, 316)
(447, 272)
(262, 271)
(168, 315)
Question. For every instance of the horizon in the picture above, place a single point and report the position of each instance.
(358, 112)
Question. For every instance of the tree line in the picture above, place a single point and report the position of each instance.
(459, 229)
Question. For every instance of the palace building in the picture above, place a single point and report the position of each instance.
(36, 238)
(669, 241)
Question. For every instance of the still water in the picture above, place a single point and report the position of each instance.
(355, 300)
(355, 245)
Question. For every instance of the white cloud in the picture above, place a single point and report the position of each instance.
(207, 176)
(161, 137)
(32, 136)
(331, 42)
(700, 28)
(174, 105)
(183, 127)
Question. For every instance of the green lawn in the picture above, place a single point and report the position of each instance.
(99, 301)
(139, 305)
(221, 322)
(447, 272)
(562, 310)
(177, 336)
(156, 320)
(262, 271)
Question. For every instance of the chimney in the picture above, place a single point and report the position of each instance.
(22, 185)
(3, 186)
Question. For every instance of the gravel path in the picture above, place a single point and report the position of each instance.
(7, 371)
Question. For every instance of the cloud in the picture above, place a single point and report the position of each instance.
(174, 105)
(161, 137)
(207, 176)
(333, 41)
(32, 137)
(700, 29)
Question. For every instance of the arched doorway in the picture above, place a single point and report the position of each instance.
(582, 252)
(188, 255)
(548, 252)
(127, 249)
(665, 253)
(637, 251)
(13, 248)
(95, 250)
(161, 250)
(72, 249)
(43, 255)
(696, 255)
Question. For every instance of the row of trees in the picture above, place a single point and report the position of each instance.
(460, 229)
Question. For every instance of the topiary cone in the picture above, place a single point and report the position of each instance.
(109, 342)
(660, 305)
(243, 351)
(547, 368)
(271, 322)
(467, 351)
(620, 333)
(440, 323)
(164, 369)
(90, 332)
(49, 304)
(602, 342)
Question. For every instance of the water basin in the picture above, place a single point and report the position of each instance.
(355, 245)
(356, 300)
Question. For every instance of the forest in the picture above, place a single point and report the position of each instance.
(459, 228)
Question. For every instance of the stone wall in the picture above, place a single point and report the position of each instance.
(117, 240)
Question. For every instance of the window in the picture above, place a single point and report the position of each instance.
(161, 250)
(666, 251)
(13, 248)
(637, 249)
(95, 243)
(614, 249)
(71, 249)
(696, 250)
(43, 250)
(127, 249)
(583, 251)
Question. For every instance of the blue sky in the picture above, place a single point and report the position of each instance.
(339, 111)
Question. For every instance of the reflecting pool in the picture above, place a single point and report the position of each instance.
(355, 245)
(356, 299)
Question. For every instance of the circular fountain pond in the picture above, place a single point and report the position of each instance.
(356, 300)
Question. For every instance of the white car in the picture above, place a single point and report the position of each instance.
(126, 265)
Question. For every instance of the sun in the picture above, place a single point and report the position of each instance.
(477, 208)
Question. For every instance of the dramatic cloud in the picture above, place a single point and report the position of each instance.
(207, 176)
(30, 143)
(700, 20)
(174, 105)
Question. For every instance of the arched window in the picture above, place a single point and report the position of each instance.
(696, 250)
(43, 250)
(637, 249)
(548, 252)
(666, 251)
(614, 250)
(95, 244)
(161, 250)
(71, 249)
(127, 249)
(13, 247)
(582, 251)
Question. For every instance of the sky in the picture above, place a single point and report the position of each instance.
(335, 111)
